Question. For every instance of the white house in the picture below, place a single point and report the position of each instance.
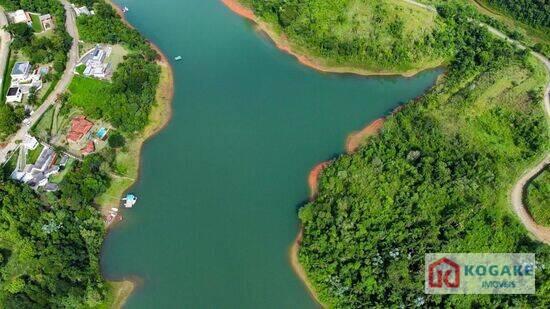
(20, 16)
(20, 70)
(95, 62)
(14, 95)
(82, 11)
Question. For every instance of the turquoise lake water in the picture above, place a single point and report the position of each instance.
(220, 186)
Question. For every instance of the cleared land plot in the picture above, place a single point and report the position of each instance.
(89, 94)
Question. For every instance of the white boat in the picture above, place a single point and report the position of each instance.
(130, 200)
(178, 58)
(125, 9)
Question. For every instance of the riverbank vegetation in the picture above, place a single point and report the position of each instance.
(436, 179)
(379, 35)
(538, 198)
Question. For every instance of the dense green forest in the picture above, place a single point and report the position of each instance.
(532, 12)
(379, 35)
(538, 198)
(49, 251)
(436, 179)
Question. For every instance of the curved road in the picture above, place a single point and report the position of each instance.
(61, 86)
(540, 232)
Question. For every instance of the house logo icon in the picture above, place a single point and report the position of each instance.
(444, 273)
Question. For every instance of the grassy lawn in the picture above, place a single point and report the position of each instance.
(80, 69)
(43, 128)
(57, 178)
(538, 198)
(10, 165)
(43, 95)
(36, 25)
(89, 94)
(117, 56)
(32, 155)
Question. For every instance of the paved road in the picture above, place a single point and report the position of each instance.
(59, 89)
(5, 40)
(517, 195)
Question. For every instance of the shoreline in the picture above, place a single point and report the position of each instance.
(282, 43)
(159, 117)
(355, 139)
(353, 142)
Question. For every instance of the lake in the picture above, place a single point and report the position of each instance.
(221, 185)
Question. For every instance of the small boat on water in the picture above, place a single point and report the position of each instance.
(178, 58)
(129, 201)
(125, 9)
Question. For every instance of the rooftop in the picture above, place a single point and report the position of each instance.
(80, 126)
(13, 91)
(90, 147)
(21, 68)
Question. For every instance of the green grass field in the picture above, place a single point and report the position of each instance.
(36, 24)
(91, 95)
(42, 129)
(33, 155)
(57, 178)
(538, 198)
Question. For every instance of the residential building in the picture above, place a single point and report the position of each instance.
(82, 11)
(20, 71)
(90, 147)
(20, 16)
(14, 95)
(80, 126)
(47, 22)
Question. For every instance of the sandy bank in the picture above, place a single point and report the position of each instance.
(282, 42)
(355, 139)
(160, 116)
(313, 178)
(299, 270)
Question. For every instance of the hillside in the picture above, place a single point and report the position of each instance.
(436, 179)
(380, 35)
(533, 12)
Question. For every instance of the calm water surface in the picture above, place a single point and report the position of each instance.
(220, 186)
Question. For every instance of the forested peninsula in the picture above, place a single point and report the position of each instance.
(438, 175)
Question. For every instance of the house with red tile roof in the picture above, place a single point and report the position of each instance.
(80, 126)
(90, 147)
